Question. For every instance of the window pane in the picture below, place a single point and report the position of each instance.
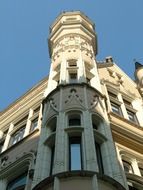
(52, 159)
(73, 77)
(131, 116)
(74, 122)
(99, 157)
(75, 157)
(115, 108)
(18, 183)
(18, 135)
(34, 124)
(75, 153)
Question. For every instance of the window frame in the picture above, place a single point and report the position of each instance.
(75, 140)
(21, 187)
(117, 107)
(17, 135)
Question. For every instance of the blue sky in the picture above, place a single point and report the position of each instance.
(24, 29)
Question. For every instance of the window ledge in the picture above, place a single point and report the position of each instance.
(99, 137)
(73, 130)
(135, 124)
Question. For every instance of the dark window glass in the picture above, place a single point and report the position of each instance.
(52, 159)
(1, 145)
(141, 171)
(94, 126)
(99, 157)
(34, 124)
(74, 120)
(73, 77)
(18, 183)
(53, 124)
(127, 167)
(18, 135)
(75, 153)
(132, 188)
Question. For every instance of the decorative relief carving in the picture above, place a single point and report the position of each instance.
(53, 105)
(72, 41)
(96, 101)
(74, 96)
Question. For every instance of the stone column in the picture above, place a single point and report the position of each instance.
(3, 184)
(135, 167)
(28, 125)
(8, 136)
(89, 144)
(59, 160)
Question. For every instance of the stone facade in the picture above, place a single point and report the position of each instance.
(80, 128)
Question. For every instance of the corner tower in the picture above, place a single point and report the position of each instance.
(76, 150)
(72, 48)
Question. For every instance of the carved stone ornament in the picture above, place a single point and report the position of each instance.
(74, 96)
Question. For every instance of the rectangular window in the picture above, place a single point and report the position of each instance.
(73, 77)
(52, 159)
(18, 135)
(131, 116)
(116, 108)
(75, 158)
(99, 157)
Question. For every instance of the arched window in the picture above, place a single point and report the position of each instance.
(18, 183)
(74, 119)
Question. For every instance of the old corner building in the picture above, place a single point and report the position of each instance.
(81, 128)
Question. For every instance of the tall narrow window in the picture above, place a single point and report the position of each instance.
(99, 157)
(18, 183)
(52, 159)
(75, 158)
(73, 77)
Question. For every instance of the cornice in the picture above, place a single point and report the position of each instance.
(20, 106)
